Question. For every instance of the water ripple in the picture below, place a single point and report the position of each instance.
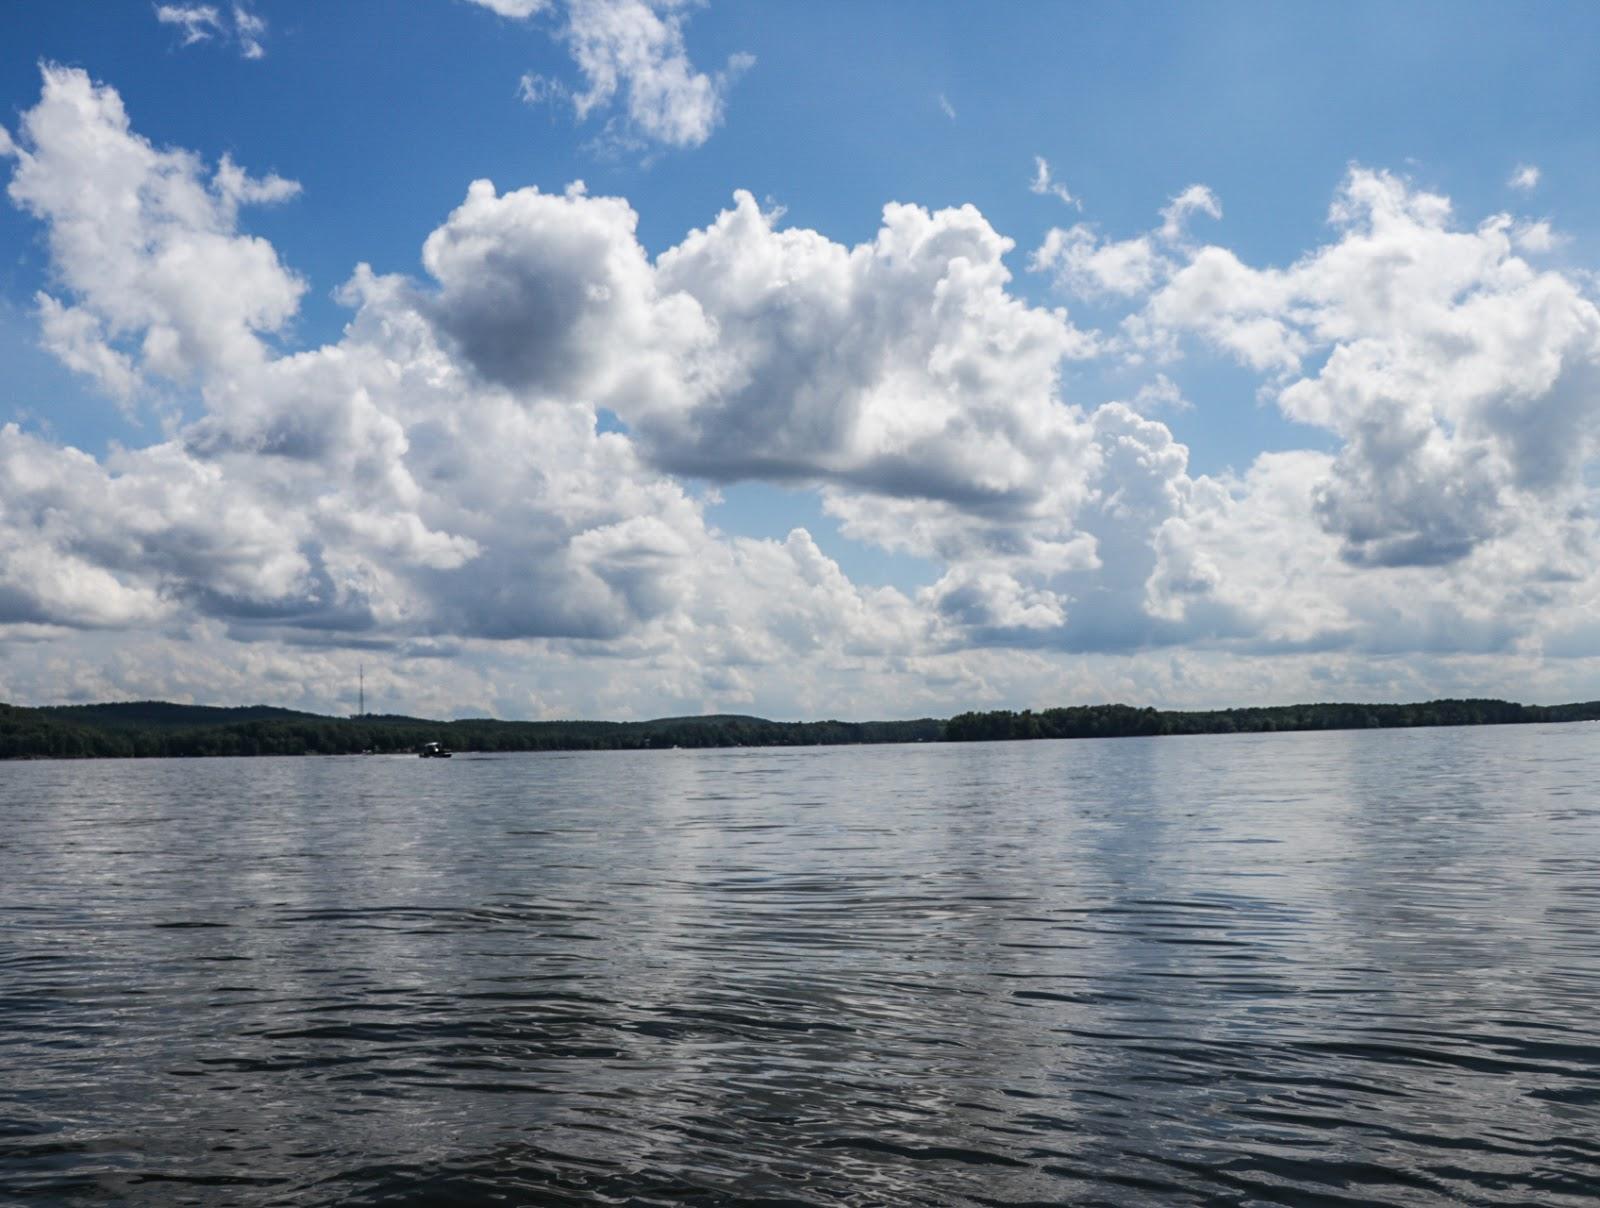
(1320, 969)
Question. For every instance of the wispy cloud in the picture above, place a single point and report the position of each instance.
(945, 105)
(1525, 179)
(197, 22)
(517, 10)
(1161, 394)
(1196, 199)
(203, 22)
(535, 89)
(249, 29)
(1044, 184)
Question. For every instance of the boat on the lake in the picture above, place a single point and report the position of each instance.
(434, 750)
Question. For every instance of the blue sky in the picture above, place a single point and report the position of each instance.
(1317, 498)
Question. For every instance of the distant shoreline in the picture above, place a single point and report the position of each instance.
(159, 729)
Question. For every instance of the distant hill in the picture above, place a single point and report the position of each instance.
(162, 715)
(158, 728)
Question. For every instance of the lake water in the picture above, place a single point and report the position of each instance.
(1324, 969)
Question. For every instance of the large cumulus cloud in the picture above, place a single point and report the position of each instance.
(437, 480)
(1462, 381)
(427, 477)
(146, 241)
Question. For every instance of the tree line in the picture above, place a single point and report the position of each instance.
(147, 729)
(1118, 721)
(153, 728)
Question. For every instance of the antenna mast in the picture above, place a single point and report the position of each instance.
(361, 670)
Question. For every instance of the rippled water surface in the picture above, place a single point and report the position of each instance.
(1347, 968)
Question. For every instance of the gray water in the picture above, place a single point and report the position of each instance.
(1344, 968)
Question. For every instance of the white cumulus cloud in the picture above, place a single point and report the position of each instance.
(1463, 382)
(435, 482)
(165, 285)
(631, 53)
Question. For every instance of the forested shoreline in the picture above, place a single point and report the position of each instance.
(1122, 721)
(147, 729)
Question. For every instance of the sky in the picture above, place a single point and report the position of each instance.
(630, 358)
